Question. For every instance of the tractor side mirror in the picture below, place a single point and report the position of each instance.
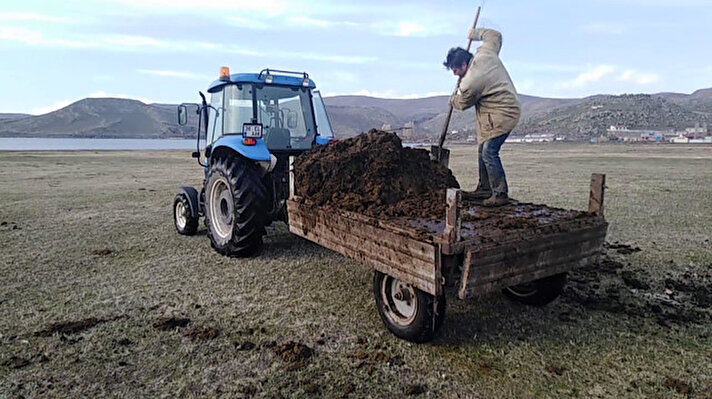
(292, 120)
(195, 154)
(182, 115)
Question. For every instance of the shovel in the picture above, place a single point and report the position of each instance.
(438, 153)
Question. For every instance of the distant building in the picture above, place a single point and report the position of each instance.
(539, 138)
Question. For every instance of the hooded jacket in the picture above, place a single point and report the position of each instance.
(487, 86)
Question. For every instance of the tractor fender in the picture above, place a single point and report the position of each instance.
(192, 195)
(257, 152)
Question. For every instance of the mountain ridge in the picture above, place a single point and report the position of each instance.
(575, 118)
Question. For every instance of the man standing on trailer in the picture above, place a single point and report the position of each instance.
(485, 83)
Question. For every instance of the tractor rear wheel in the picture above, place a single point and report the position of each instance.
(539, 292)
(186, 223)
(235, 199)
(407, 312)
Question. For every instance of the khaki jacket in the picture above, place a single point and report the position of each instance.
(487, 86)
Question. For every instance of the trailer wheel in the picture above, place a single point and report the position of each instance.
(539, 292)
(407, 312)
(234, 206)
(186, 223)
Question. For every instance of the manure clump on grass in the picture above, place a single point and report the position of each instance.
(293, 352)
(170, 323)
(69, 327)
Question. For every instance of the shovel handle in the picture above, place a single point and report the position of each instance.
(449, 112)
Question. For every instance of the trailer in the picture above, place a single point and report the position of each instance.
(523, 250)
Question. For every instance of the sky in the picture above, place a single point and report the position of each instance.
(58, 52)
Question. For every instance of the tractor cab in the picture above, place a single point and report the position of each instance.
(246, 133)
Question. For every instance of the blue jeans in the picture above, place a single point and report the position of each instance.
(492, 176)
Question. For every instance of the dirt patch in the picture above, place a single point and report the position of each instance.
(102, 252)
(680, 386)
(170, 323)
(622, 249)
(69, 327)
(555, 369)
(202, 333)
(375, 357)
(294, 353)
(374, 175)
(16, 362)
(614, 286)
(415, 389)
(245, 346)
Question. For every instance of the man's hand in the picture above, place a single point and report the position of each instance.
(453, 100)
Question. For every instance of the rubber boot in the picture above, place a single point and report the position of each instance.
(496, 200)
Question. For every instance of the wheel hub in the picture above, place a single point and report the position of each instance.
(181, 218)
(221, 208)
(401, 301)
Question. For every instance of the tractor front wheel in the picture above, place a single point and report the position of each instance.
(234, 206)
(407, 312)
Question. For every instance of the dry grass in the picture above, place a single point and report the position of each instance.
(88, 236)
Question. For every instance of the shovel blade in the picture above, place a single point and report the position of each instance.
(440, 155)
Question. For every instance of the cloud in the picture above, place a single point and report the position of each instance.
(339, 59)
(641, 78)
(392, 94)
(37, 38)
(174, 74)
(405, 29)
(269, 7)
(249, 23)
(592, 75)
(135, 41)
(27, 16)
(140, 43)
(320, 23)
(605, 28)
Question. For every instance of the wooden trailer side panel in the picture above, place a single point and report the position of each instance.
(490, 269)
(412, 261)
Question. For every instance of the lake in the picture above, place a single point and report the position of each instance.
(50, 144)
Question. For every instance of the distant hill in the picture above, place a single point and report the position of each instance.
(101, 117)
(13, 116)
(575, 118)
(591, 116)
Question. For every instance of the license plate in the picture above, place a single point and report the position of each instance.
(253, 130)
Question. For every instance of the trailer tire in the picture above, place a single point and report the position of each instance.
(539, 292)
(234, 206)
(186, 223)
(408, 313)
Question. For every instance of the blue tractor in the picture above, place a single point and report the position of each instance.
(246, 134)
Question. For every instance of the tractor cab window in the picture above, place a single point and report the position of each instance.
(215, 117)
(285, 113)
(238, 107)
(323, 124)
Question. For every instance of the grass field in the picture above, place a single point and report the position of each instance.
(88, 237)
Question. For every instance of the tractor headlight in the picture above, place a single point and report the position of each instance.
(305, 82)
(269, 79)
